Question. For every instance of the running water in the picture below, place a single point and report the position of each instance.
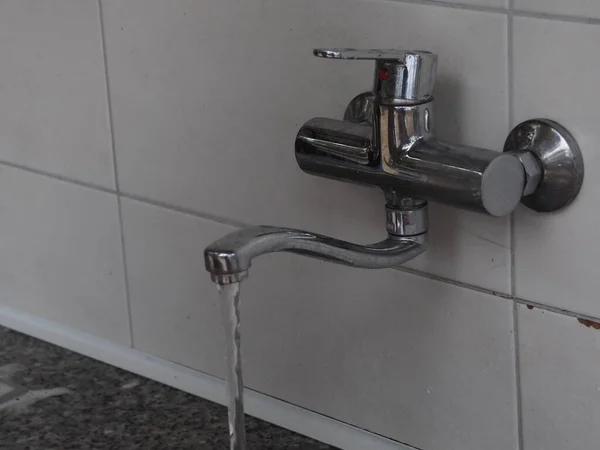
(230, 307)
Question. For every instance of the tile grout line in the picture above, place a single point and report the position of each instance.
(512, 224)
(186, 211)
(236, 224)
(450, 281)
(497, 10)
(53, 176)
(135, 197)
(557, 17)
(519, 396)
(454, 5)
(496, 294)
(115, 171)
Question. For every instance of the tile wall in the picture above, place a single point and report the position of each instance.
(135, 132)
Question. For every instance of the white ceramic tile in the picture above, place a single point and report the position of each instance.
(208, 98)
(60, 254)
(171, 294)
(468, 247)
(560, 381)
(584, 8)
(53, 102)
(423, 362)
(556, 255)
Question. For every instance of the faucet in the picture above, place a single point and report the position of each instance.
(387, 139)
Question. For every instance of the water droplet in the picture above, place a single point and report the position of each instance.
(429, 390)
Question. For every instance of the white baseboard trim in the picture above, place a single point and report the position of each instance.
(259, 405)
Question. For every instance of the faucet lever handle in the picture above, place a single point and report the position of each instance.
(372, 53)
(402, 77)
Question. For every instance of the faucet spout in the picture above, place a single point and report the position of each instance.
(229, 258)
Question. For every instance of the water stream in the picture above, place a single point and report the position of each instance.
(230, 307)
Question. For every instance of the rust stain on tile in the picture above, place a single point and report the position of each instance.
(589, 324)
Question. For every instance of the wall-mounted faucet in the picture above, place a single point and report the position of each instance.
(387, 139)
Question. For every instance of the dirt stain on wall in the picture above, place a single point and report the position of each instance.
(589, 323)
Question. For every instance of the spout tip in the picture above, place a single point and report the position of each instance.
(229, 278)
(229, 258)
(224, 266)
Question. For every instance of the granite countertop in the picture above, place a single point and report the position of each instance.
(52, 398)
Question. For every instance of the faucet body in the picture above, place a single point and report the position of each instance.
(394, 145)
(404, 155)
(387, 139)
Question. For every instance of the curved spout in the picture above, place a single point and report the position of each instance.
(229, 258)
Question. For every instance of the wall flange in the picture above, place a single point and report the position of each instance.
(560, 158)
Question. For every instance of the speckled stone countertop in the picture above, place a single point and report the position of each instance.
(51, 399)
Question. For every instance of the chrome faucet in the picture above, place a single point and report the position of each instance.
(387, 139)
